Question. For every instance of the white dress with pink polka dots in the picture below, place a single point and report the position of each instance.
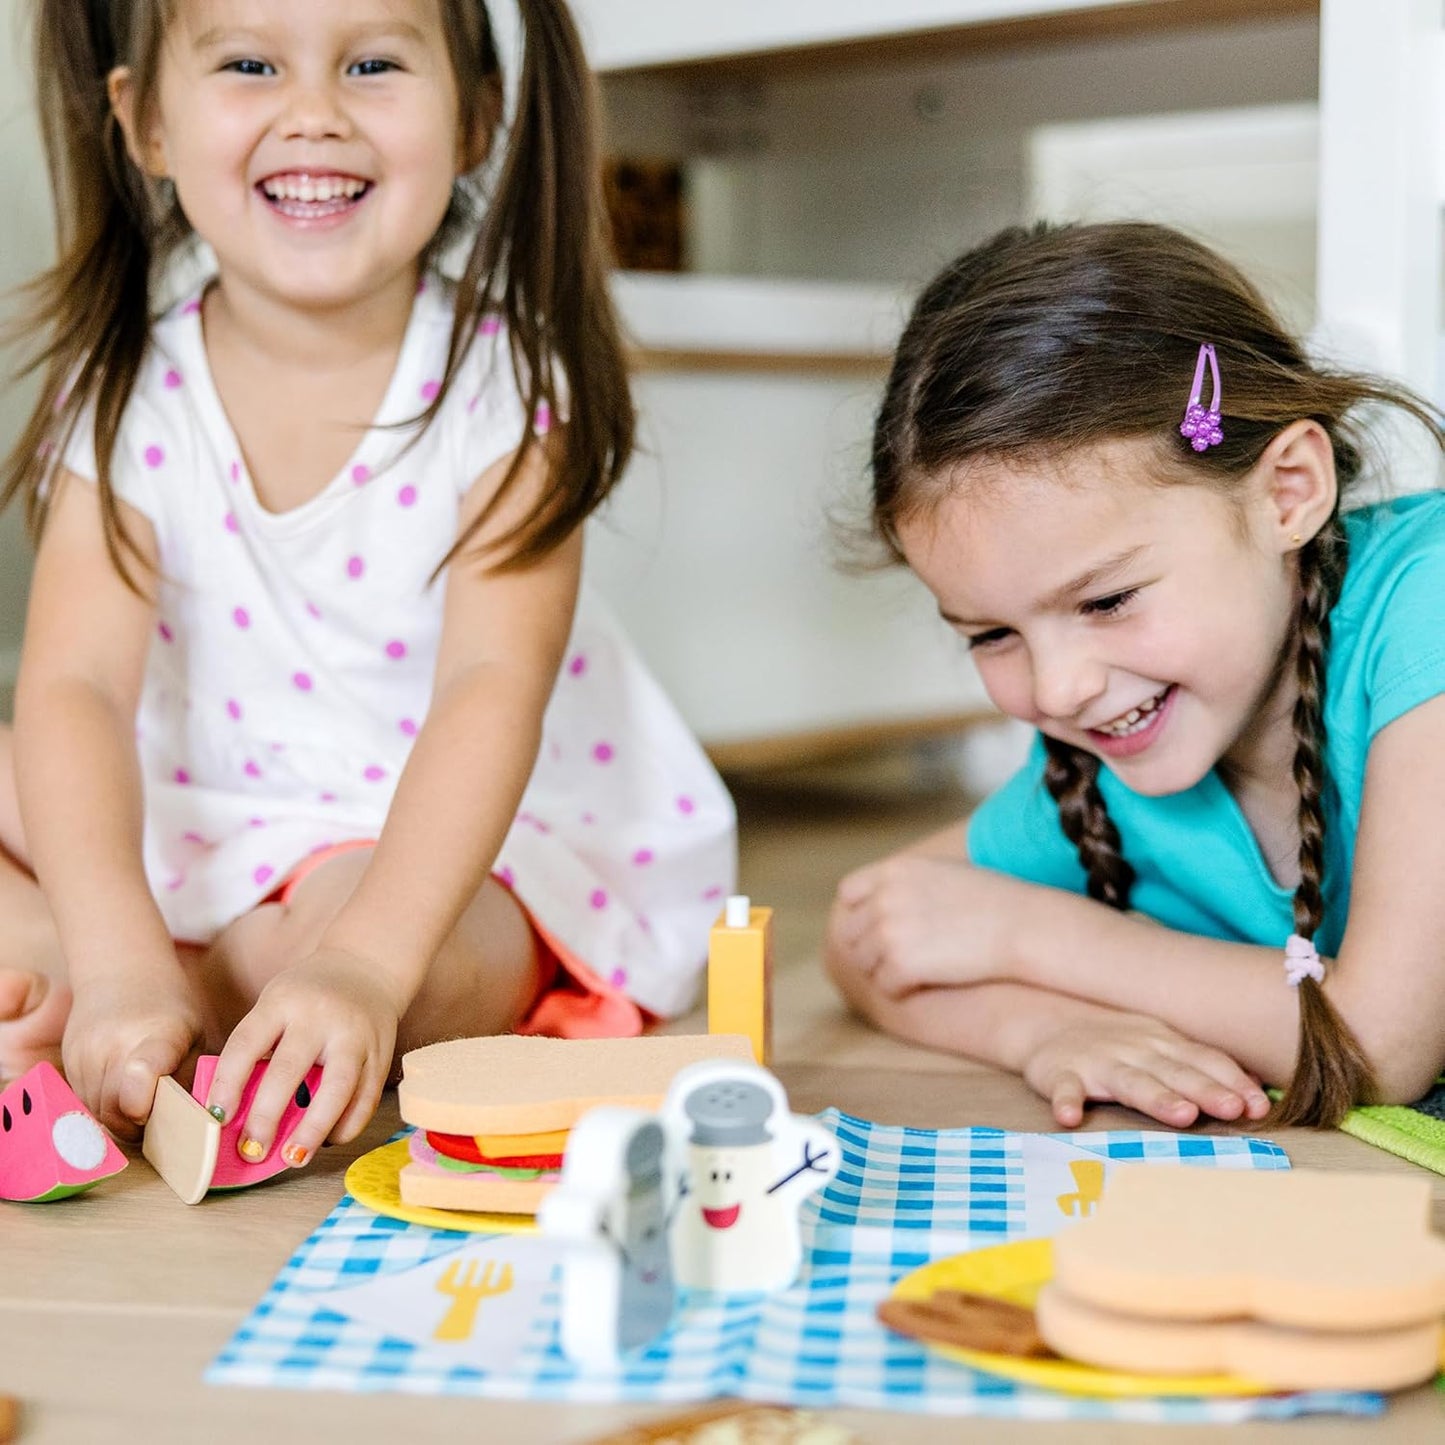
(293, 664)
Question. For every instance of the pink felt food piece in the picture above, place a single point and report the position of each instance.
(232, 1171)
(50, 1145)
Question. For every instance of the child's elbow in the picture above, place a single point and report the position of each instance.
(1402, 1082)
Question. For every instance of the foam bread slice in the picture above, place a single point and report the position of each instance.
(1300, 1248)
(521, 1084)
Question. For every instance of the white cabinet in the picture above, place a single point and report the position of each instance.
(836, 155)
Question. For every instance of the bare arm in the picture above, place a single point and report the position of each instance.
(80, 794)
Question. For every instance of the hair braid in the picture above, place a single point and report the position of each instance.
(1332, 1072)
(1071, 776)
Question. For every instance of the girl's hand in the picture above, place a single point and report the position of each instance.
(334, 1009)
(126, 1031)
(916, 920)
(1144, 1065)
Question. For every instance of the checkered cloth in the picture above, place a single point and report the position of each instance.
(903, 1197)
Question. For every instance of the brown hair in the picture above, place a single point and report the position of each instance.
(1055, 337)
(539, 258)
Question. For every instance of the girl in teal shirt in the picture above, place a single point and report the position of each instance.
(1121, 480)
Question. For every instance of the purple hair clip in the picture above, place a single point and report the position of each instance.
(1200, 426)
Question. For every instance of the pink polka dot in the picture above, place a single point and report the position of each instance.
(241, 618)
(429, 390)
(173, 379)
(598, 898)
(396, 648)
(166, 634)
(420, 285)
(408, 727)
(302, 681)
(618, 978)
(263, 875)
(175, 882)
(252, 768)
(322, 847)
(255, 822)
(360, 474)
(472, 403)
(191, 308)
(603, 752)
(542, 418)
(709, 894)
(686, 804)
(374, 774)
(181, 776)
(589, 819)
(407, 496)
(313, 610)
(490, 326)
(154, 455)
(642, 857)
(506, 878)
(355, 566)
(578, 665)
(193, 837)
(232, 525)
(233, 708)
(644, 923)
(326, 797)
(235, 471)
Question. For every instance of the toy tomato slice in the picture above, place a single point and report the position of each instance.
(50, 1144)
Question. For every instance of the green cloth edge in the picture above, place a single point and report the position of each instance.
(1400, 1130)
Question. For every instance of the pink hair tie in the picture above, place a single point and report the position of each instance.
(1301, 961)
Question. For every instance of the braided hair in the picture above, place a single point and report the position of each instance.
(1049, 338)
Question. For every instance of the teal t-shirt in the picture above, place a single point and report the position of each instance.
(1198, 867)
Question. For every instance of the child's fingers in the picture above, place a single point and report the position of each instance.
(364, 1099)
(339, 1076)
(1235, 1080)
(1067, 1098)
(135, 1081)
(1141, 1089)
(291, 1060)
(1200, 1088)
(251, 1040)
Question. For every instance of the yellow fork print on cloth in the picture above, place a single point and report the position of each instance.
(468, 1286)
(1089, 1176)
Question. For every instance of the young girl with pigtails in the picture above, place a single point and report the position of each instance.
(1220, 866)
(316, 755)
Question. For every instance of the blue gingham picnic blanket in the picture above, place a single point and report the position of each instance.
(902, 1198)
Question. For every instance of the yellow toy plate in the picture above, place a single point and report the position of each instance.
(375, 1181)
(1016, 1273)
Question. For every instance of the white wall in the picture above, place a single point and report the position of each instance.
(25, 247)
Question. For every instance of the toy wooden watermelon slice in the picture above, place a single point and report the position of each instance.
(50, 1145)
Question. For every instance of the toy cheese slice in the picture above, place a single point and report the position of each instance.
(50, 1144)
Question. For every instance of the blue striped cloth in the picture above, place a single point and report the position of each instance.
(902, 1198)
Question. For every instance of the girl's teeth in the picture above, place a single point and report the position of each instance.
(1135, 719)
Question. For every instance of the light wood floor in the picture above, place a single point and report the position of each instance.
(112, 1304)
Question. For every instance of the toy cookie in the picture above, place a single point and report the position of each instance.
(1297, 1279)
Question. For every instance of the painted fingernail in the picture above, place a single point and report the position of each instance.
(251, 1151)
(295, 1155)
(217, 1113)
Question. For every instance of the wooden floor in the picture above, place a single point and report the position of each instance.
(112, 1304)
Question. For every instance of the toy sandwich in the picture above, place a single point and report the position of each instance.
(492, 1115)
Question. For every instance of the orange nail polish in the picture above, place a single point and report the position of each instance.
(251, 1151)
(295, 1155)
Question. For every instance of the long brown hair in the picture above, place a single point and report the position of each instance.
(1055, 337)
(539, 259)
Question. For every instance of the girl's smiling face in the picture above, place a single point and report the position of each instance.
(1145, 622)
(314, 146)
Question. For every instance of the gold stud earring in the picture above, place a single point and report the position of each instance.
(1295, 538)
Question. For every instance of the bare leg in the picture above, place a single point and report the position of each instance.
(34, 996)
(483, 981)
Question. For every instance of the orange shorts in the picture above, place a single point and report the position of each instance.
(574, 1003)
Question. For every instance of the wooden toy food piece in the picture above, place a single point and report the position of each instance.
(734, 1422)
(181, 1141)
(970, 1321)
(740, 976)
(50, 1145)
(1295, 1279)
